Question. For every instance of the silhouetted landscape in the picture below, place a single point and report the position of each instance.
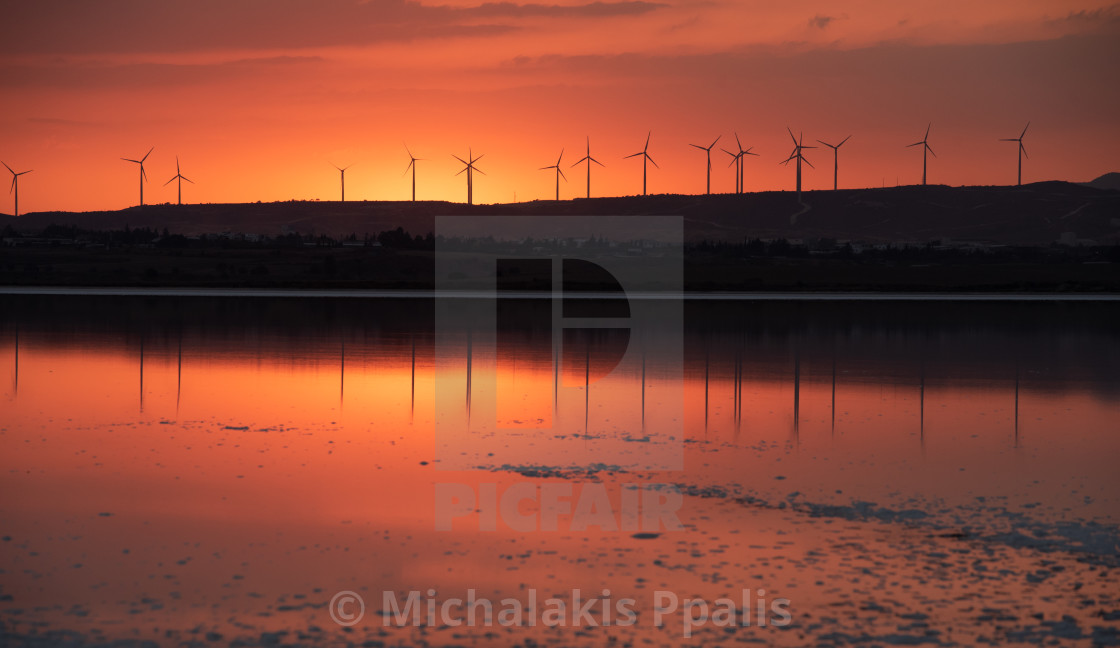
(1051, 236)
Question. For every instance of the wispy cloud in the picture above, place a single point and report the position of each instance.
(821, 22)
(143, 26)
(1101, 16)
(589, 10)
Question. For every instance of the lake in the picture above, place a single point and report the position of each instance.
(207, 468)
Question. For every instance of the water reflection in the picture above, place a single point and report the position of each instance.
(281, 449)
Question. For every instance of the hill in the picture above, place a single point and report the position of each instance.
(1033, 215)
(1107, 182)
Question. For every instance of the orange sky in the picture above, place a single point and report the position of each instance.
(259, 97)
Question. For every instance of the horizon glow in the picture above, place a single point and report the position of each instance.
(259, 100)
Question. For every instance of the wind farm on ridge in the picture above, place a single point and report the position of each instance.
(738, 158)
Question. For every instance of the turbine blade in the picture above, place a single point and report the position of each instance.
(1024, 149)
(648, 135)
(930, 149)
(737, 142)
(699, 147)
(458, 158)
(9, 168)
(133, 161)
(147, 154)
(170, 181)
(579, 162)
(13, 187)
(1024, 130)
(410, 163)
(479, 171)
(187, 179)
(598, 162)
(561, 172)
(560, 158)
(927, 131)
(809, 163)
(633, 155)
(826, 144)
(651, 160)
(714, 143)
(728, 152)
(915, 144)
(143, 173)
(843, 140)
(791, 135)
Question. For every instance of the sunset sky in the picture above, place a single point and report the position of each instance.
(259, 98)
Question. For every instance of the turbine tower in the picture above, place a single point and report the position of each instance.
(708, 150)
(835, 154)
(645, 158)
(559, 173)
(737, 159)
(412, 159)
(342, 178)
(180, 177)
(797, 155)
(143, 175)
(587, 158)
(15, 185)
(925, 148)
(1022, 151)
(470, 168)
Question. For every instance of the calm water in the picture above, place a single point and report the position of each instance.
(216, 469)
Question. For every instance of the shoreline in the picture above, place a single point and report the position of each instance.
(407, 293)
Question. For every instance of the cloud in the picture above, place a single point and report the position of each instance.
(821, 22)
(135, 26)
(590, 10)
(1101, 16)
(146, 75)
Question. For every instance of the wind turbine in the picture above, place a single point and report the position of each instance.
(342, 177)
(796, 155)
(1022, 150)
(925, 148)
(470, 168)
(143, 175)
(737, 159)
(708, 150)
(180, 177)
(412, 159)
(835, 155)
(645, 158)
(559, 172)
(15, 185)
(587, 158)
